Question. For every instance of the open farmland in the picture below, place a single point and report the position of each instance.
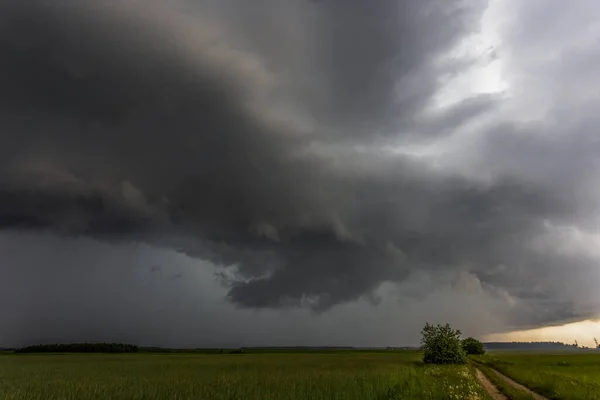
(294, 376)
(573, 376)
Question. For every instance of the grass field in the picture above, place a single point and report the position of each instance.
(336, 375)
(573, 376)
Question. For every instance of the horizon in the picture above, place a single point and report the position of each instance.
(290, 347)
(554, 334)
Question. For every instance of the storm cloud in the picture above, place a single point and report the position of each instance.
(302, 150)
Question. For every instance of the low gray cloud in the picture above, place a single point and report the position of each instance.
(270, 145)
(104, 292)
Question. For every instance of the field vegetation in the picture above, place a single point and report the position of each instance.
(295, 376)
(445, 367)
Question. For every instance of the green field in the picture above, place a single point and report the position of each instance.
(558, 376)
(336, 375)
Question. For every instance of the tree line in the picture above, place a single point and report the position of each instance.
(80, 348)
(527, 345)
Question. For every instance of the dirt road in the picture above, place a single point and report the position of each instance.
(495, 393)
(517, 385)
(489, 386)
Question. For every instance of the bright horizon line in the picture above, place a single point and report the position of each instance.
(582, 331)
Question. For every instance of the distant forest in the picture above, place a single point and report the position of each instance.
(529, 346)
(80, 348)
(128, 348)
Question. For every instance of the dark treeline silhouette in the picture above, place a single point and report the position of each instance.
(240, 350)
(128, 348)
(528, 346)
(80, 348)
(153, 349)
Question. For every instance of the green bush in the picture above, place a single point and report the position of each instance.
(442, 345)
(473, 346)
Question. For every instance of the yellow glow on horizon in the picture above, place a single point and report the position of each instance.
(583, 331)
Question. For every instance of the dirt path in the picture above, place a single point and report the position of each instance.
(519, 386)
(489, 386)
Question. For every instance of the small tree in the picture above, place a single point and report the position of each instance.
(442, 345)
(473, 346)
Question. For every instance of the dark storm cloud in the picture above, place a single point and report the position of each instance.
(357, 67)
(234, 136)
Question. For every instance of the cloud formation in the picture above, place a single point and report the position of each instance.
(301, 147)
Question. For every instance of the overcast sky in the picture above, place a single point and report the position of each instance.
(268, 172)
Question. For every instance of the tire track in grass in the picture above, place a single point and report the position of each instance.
(517, 385)
(505, 388)
(489, 387)
(507, 381)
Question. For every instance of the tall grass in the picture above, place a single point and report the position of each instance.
(353, 375)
